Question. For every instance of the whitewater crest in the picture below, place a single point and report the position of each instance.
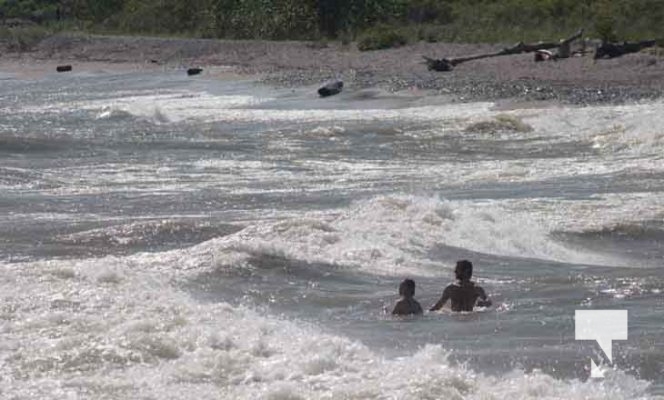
(395, 235)
(624, 130)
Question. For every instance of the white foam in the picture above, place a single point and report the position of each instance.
(582, 215)
(631, 129)
(81, 335)
(170, 106)
(394, 235)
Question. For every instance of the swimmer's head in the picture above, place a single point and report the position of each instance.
(463, 270)
(407, 288)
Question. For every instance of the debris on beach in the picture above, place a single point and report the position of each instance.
(563, 46)
(63, 68)
(331, 88)
(194, 71)
(543, 51)
(613, 50)
(544, 55)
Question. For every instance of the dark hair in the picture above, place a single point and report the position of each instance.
(407, 288)
(463, 270)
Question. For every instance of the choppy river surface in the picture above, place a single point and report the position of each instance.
(163, 237)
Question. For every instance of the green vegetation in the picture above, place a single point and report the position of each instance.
(374, 23)
(381, 37)
(22, 38)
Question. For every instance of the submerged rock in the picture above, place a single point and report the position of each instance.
(500, 123)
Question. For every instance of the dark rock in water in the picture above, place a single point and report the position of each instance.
(331, 88)
(63, 68)
(194, 71)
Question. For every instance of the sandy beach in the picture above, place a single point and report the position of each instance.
(578, 80)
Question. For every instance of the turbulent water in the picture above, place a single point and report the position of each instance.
(163, 237)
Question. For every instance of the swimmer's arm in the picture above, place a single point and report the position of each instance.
(484, 300)
(442, 301)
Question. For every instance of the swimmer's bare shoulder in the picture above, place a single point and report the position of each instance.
(407, 307)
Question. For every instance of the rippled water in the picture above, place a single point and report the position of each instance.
(169, 237)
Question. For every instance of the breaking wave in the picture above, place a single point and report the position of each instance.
(394, 235)
(121, 328)
(149, 234)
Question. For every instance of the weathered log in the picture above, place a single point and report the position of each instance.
(194, 71)
(613, 50)
(565, 46)
(447, 64)
(331, 88)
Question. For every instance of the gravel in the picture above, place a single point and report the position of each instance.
(578, 80)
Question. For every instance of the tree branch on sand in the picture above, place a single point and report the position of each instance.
(613, 50)
(447, 64)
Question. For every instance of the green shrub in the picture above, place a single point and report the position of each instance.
(382, 37)
(605, 15)
(429, 11)
(22, 38)
(433, 33)
(385, 23)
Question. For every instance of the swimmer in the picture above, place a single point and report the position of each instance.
(463, 294)
(407, 305)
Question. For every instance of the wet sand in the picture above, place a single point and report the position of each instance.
(578, 80)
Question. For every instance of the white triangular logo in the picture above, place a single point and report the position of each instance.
(595, 371)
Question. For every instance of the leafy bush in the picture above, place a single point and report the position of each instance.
(34, 10)
(433, 33)
(429, 11)
(22, 38)
(605, 15)
(382, 37)
(385, 23)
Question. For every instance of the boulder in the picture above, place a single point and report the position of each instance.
(194, 71)
(331, 88)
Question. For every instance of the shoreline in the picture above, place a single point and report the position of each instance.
(517, 78)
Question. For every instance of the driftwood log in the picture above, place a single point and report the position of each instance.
(613, 50)
(447, 64)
